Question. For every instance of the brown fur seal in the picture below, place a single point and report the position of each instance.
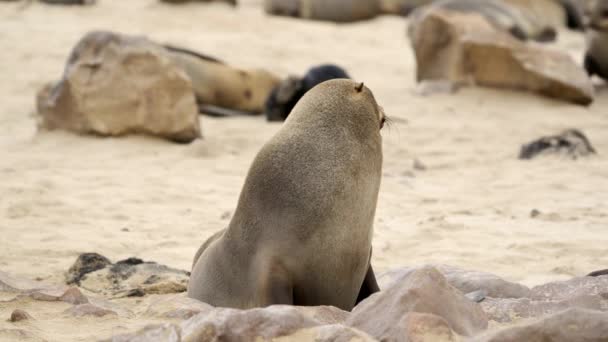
(231, 2)
(596, 57)
(301, 233)
(220, 85)
(502, 15)
(327, 10)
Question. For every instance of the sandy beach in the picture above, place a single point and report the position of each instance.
(467, 203)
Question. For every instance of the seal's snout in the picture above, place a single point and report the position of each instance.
(382, 116)
(359, 87)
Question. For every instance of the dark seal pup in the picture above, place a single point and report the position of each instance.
(301, 233)
(286, 94)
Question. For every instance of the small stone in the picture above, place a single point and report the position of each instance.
(19, 315)
(534, 213)
(89, 310)
(74, 296)
(571, 143)
(418, 165)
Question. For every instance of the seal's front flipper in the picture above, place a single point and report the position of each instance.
(276, 286)
(369, 286)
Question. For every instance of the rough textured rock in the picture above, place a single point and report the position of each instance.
(70, 295)
(9, 283)
(173, 333)
(176, 306)
(19, 315)
(424, 291)
(466, 281)
(464, 48)
(129, 277)
(573, 289)
(134, 277)
(324, 314)
(566, 326)
(245, 325)
(571, 143)
(506, 310)
(89, 310)
(157, 333)
(327, 333)
(116, 84)
(86, 263)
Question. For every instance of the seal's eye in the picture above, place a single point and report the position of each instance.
(382, 121)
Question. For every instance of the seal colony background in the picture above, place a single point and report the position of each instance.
(453, 190)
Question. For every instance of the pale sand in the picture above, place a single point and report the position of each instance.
(62, 194)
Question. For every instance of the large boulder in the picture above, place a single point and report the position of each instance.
(116, 84)
(420, 303)
(466, 49)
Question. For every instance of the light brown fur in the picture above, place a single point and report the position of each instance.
(327, 10)
(302, 230)
(224, 86)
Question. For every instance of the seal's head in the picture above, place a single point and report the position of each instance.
(597, 15)
(340, 102)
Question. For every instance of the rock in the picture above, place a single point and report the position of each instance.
(19, 315)
(89, 310)
(566, 326)
(131, 277)
(327, 333)
(70, 295)
(223, 324)
(86, 263)
(157, 333)
(324, 314)
(477, 296)
(466, 281)
(572, 289)
(571, 143)
(386, 315)
(19, 335)
(9, 283)
(116, 84)
(506, 310)
(176, 306)
(466, 49)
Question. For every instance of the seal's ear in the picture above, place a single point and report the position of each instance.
(359, 87)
